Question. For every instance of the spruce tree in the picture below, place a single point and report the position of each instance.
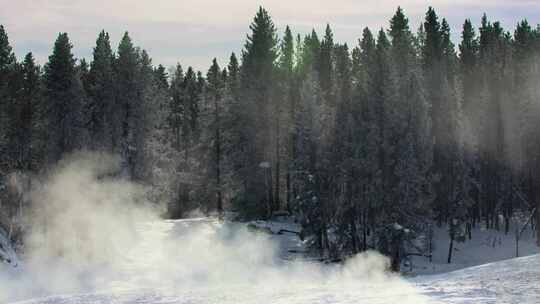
(7, 60)
(369, 141)
(30, 116)
(287, 79)
(324, 65)
(492, 58)
(308, 53)
(469, 76)
(7, 57)
(102, 108)
(468, 49)
(64, 109)
(402, 43)
(161, 77)
(258, 76)
(190, 127)
(215, 96)
(127, 102)
(286, 58)
(176, 107)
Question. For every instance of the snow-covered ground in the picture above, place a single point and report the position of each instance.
(486, 246)
(510, 281)
(205, 261)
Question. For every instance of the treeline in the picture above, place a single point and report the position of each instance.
(367, 148)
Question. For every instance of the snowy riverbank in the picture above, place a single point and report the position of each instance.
(205, 261)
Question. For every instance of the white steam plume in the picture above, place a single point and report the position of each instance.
(96, 240)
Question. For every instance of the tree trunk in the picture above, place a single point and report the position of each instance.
(365, 231)
(288, 190)
(219, 202)
(430, 244)
(536, 200)
(506, 224)
(451, 248)
(395, 256)
(537, 228)
(517, 242)
(354, 235)
(277, 203)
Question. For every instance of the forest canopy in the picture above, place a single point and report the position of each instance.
(367, 146)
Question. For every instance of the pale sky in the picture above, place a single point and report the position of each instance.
(192, 32)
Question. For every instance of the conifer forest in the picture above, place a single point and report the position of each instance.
(366, 147)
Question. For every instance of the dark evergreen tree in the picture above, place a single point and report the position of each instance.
(192, 91)
(493, 61)
(102, 108)
(324, 64)
(215, 99)
(7, 57)
(161, 76)
(257, 79)
(176, 108)
(288, 87)
(29, 121)
(127, 102)
(468, 71)
(7, 61)
(64, 103)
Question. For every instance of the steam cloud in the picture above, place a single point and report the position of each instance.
(94, 232)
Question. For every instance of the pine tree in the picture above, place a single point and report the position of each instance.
(345, 148)
(525, 71)
(176, 107)
(432, 50)
(143, 125)
(368, 143)
(406, 143)
(64, 109)
(159, 163)
(468, 50)
(175, 120)
(402, 43)
(287, 79)
(30, 115)
(308, 53)
(102, 108)
(7, 60)
(234, 74)
(7, 57)
(192, 90)
(524, 68)
(286, 58)
(215, 96)
(324, 63)
(258, 75)
(309, 133)
(127, 103)
(468, 71)
(437, 87)
(160, 74)
(493, 61)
